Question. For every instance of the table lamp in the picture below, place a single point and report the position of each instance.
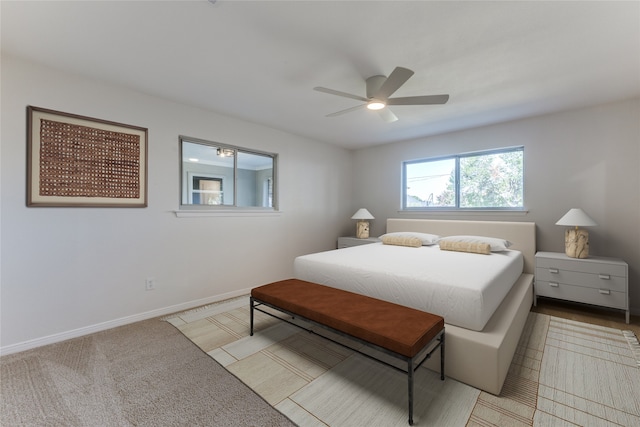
(576, 240)
(362, 226)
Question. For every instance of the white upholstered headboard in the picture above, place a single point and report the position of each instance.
(521, 234)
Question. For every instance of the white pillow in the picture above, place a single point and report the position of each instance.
(496, 244)
(425, 238)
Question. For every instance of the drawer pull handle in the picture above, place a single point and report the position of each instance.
(553, 284)
(554, 270)
(604, 291)
(604, 276)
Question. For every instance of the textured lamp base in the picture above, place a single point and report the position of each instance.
(576, 243)
(362, 229)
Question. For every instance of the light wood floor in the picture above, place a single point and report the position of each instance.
(588, 314)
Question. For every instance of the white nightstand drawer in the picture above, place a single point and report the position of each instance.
(594, 265)
(602, 297)
(601, 280)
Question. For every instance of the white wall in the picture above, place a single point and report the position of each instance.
(69, 271)
(587, 158)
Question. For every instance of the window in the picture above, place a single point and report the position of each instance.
(217, 176)
(205, 190)
(485, 180)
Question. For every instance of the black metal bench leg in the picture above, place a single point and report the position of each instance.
(410, 375)
(251, 316)
(442, 357)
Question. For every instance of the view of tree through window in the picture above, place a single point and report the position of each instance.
(478, 180)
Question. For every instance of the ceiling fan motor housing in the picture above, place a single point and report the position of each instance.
(374, 83)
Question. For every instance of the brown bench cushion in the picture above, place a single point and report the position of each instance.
(394, 327)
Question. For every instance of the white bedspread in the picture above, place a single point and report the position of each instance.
(464, 288)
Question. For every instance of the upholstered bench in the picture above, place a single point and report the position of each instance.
(402, 332)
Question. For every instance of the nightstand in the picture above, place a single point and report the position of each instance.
(347, 242)
(593, 280)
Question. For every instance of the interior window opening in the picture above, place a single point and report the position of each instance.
(215, 175)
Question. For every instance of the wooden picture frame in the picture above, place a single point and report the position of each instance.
(80, 161)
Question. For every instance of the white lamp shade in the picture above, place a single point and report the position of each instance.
(576, 218)
(362, 214)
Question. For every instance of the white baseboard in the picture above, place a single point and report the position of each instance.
(63, 336)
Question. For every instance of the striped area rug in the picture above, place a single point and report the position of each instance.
(564, 373)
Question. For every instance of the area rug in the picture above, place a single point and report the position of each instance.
(142, 374)
(563, 373)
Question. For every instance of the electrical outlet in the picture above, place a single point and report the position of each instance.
(150, 284)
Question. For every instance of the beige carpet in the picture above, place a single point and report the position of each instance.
(564, 373)
(143, 374)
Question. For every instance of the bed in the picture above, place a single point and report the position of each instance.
(484, 299)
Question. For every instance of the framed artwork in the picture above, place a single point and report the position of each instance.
(81, 161)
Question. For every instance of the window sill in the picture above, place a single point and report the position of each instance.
(227, 213)
(472, 212)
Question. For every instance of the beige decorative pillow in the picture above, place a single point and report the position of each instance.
(496, 244)
(426, 238)
(413, 242)
(476, 248)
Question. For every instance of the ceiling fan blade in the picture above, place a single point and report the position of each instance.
(397, 78)
(337, 92)
(348, 110)
(419, 100)
(387, 115)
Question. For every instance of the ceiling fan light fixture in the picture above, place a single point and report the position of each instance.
(376, 104)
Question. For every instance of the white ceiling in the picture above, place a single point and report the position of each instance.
(259, 60)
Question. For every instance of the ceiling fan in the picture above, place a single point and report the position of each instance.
(379, 89)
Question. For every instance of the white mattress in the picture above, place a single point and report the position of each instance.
(464, 288)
